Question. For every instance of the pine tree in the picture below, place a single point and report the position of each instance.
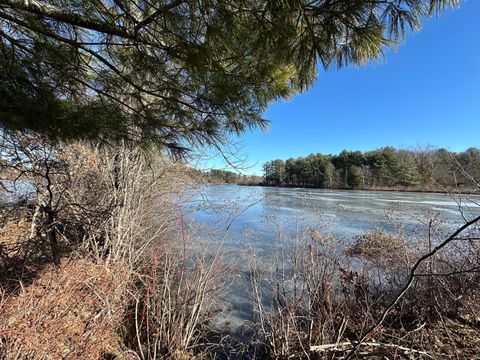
(177, 72)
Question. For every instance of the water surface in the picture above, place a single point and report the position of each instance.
(249, 216)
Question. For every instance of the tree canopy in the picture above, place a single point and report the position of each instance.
(422, 169)
(179, 72)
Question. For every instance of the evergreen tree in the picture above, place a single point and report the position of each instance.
(179, 72)
(329, 176)
(355, 177)
(383, 163)
(385, 167)
(407, 172)
(291, 174)
(274, 172)
(469, 161)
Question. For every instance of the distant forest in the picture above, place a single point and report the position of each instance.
(425, 169)
(221, 176)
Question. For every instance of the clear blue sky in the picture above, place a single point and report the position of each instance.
(426, 92)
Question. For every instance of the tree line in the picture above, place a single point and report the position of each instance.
(221, 176)
(387, 167)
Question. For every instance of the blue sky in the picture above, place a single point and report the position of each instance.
(427, 92)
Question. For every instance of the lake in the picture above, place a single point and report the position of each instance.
(236, 217)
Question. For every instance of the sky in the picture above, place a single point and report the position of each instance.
(427, 92)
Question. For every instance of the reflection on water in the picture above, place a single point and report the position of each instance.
(248, 212)
(16, 190)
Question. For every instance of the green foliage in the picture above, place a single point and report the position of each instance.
(428, 169)
(407, 172)
(179, 73)
(355, 177)
(218, 175)
(383, 164)
(221, 176)
(469, 160)
(345, 161)
(274, 172)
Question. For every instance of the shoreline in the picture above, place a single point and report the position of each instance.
(404, 190)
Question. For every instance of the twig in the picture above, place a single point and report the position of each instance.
(346, 346)
(409, 283)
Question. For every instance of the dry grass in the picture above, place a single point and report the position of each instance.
(175, 300)
(385, 250)
(14, 232)
(313, 301)
(121, 208)
(20, 257)
(386, 256)
(14, 236)
(114, 206)
(69, 312)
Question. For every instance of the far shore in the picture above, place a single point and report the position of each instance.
(409, 190)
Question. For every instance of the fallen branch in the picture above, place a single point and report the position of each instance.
(345, 346)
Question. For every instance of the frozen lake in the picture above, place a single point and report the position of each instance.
(244, 215)
(342, 212)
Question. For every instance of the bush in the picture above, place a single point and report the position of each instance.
(319, 297)
(113, 205)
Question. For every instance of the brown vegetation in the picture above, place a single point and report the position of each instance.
(100, 264)
(69, 312)
(324, 298)
(86, 266)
